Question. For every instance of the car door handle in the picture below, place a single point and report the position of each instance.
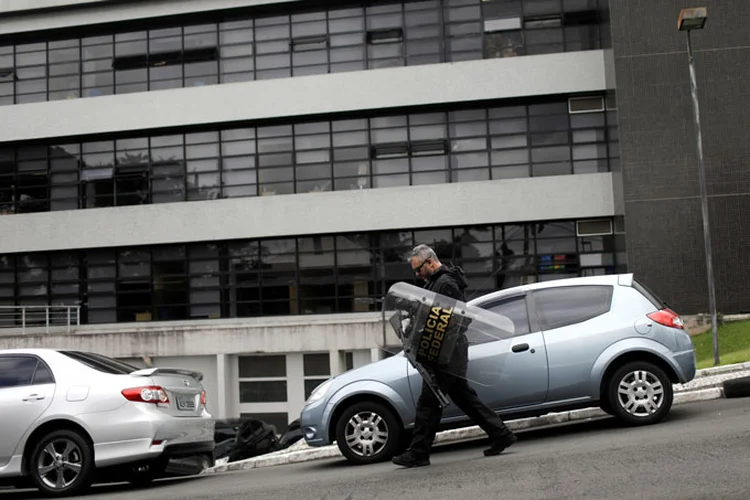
(33, 397)
(520, 347)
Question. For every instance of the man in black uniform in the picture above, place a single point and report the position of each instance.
(451, 283)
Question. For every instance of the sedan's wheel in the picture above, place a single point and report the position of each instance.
(640, 393)
(62, 464)
(368, 432)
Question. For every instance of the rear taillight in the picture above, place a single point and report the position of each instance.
(203, 398)
(149, 394)
(667, 317)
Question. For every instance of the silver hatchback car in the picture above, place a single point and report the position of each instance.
(597, 341)
(69, 414)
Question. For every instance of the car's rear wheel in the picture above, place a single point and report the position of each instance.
(640, 393)
(368, 432)
(62, 464)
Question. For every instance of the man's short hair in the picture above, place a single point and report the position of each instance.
(422, 252)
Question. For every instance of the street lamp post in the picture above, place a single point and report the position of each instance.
(695, 19)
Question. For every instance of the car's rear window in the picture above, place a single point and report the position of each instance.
(567, 305)
(101, 363)
(651, 296)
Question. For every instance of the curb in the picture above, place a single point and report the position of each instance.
(454, 435)
(719, 370)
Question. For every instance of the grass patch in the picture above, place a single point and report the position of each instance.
(734, 345)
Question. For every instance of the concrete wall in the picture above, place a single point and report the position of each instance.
(659, 157)
(308, 95)
(485, 202)
(319, 333)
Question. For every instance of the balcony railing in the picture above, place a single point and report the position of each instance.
(39, 318)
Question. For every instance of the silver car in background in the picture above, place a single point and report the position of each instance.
(67, 415)
(597, 341)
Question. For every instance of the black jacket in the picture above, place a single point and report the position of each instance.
(450, 282)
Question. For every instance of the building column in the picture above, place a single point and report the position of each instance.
(221, 410)
(295, 376)
(338, 362)
(376, 354)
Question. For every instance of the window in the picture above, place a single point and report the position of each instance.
(285, 41)
(317, 369)
(316, 274)
(16, 371)
(651, 296)
(513, 309)
(305, 43)
(263, 379)
(262, 366)
(101, 363)
(594, 227)
(562, 306)
(385, 36)
(534, 139)
(43, 375)
(264, 391)
(594, 104)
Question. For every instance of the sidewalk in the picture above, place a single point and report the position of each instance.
(705, 386)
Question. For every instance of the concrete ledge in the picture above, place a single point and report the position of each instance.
(455, 435)
(718, 370)
(696, 324)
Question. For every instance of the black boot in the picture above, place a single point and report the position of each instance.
(499, 445)
(411, 459)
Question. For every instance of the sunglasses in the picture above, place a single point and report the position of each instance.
(419, 267)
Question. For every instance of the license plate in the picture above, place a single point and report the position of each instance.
(186, 403)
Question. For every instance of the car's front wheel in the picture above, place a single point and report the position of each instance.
(640, 393)
(368, 432)
(62, 464)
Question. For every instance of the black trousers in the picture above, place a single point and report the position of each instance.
(429, 412)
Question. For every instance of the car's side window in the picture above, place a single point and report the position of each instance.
(513, 309)
(43, 375)
(16, 371)
(562, 306)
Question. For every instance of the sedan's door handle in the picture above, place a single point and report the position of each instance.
(520, 347)
(33, 397)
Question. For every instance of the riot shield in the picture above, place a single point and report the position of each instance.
(437, 332)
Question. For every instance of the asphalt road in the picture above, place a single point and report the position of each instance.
(701, 451)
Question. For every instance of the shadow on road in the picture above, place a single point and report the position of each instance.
(97, 490)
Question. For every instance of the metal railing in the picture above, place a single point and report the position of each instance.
(40, 317)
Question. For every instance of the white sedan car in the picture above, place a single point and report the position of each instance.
(69, 414)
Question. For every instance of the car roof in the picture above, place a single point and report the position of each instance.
(34, 351)
(608, 279)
